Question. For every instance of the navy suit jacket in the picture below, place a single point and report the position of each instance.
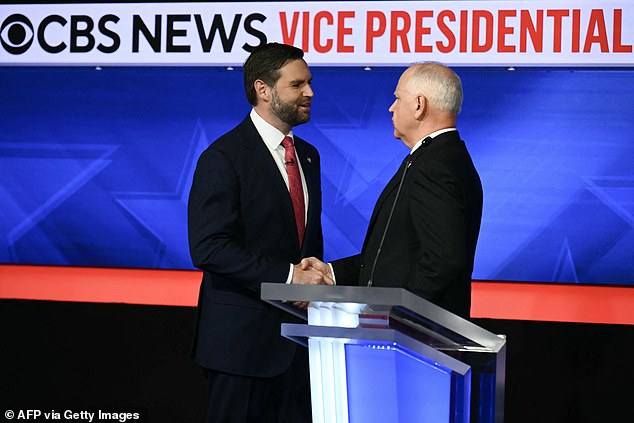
(430, 245)
(241, 233)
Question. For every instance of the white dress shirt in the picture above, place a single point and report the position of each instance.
(272, 138)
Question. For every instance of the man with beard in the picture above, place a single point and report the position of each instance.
(254, 212)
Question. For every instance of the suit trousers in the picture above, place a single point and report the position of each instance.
(280, 399)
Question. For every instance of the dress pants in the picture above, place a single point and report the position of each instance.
(281, 399)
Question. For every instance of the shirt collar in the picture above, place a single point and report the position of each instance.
(432, 135)
(271, 136)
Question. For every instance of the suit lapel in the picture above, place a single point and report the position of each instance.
(312, 180)
(261, 159)
(394, 182)
(391, 186)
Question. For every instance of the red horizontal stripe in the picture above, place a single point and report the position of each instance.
(492, 300)
(100, 285)
(553, 302)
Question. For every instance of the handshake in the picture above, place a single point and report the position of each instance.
(312, 271)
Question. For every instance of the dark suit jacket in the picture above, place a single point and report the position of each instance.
(241, 233)
(430, 245)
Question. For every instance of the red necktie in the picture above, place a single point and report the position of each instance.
(295, 186)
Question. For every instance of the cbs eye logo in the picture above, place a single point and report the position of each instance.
(16, 34)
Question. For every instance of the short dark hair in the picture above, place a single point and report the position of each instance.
(264, 63)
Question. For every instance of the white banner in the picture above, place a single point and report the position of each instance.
(382, 33)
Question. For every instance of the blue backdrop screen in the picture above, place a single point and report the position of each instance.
(96, 164)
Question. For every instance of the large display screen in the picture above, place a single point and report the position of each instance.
(96, 163)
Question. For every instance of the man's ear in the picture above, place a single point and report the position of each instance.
(262, 90)
(421, 107)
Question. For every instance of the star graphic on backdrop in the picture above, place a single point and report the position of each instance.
(617, 193)
(565, 269)
(595, 235)
(37, 178)
(164, 214)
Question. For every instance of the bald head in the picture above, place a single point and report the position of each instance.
(438, 83)
(428, 98)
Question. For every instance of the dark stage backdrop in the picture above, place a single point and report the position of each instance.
(123, 356)
(96, 164)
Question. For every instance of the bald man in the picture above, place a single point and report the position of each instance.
(424, 228)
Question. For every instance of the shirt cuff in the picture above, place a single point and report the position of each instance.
(289, 279)
(332, 272)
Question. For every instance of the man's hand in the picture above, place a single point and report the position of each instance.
(310, 275)
(316, 264)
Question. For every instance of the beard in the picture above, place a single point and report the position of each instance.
(287, 112)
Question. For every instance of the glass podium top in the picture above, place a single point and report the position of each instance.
(388, 308)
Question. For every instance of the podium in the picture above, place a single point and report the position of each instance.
(387, 355)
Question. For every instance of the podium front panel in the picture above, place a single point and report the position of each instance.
(389, 384)
(378, 375)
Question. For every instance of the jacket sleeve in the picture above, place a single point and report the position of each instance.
(347, 270)
(437, 212)
(216, 231)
